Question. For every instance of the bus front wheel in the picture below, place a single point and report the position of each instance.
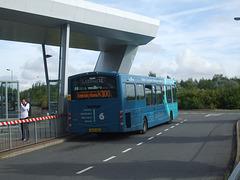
(145, 126)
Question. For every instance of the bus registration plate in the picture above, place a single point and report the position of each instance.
(95, 130)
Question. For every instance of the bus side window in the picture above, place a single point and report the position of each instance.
(169, 94)
(148, 92)
(140, 92)
(130, 92)
(159, 95)
(174, 90)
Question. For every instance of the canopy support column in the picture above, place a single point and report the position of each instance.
(119, 59)
(63, 69)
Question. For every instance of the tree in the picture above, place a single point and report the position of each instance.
(218, 92)
(205, 84)
(38, 94)
(152, 74)
(189, 84)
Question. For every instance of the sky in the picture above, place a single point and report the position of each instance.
(196, 39)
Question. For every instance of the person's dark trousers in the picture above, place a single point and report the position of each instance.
(25, 130)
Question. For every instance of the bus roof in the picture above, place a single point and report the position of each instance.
(131, 78)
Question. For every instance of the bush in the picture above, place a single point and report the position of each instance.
(225, 98)
(189, 99)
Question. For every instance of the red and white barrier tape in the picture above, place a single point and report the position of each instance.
(29, 120)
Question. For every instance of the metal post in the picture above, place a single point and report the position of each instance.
(6, 100)
(11, 75)
(47, 77)
(36, 138)
(63, 66)
(55, 126)
(18, 106)
(2, 111)
(9, 137)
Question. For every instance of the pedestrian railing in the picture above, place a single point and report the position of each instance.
(40, 129)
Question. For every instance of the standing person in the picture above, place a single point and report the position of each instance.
(24, 115)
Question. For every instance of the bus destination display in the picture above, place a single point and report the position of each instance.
(94, 94)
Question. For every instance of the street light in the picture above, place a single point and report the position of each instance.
(48, 55)
(237, 18)
(11, 73)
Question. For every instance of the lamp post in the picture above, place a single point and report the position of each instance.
(11, 73)
(237, 18)
(45, 56)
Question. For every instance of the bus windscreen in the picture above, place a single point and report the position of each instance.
(93, 87)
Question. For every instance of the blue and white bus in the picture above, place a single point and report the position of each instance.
(113, 102)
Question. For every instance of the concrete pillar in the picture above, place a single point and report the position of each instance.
(63, 67)
(119, 59)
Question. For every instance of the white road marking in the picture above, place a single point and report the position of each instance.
(159, 133)
(129, 149)
(214, 114)
(84, 170)
(150, 138)
(108, 159)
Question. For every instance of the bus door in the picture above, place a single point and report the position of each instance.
(156, 115)
(159, 102)
(150, 108)
(165, 104)
(169, 100)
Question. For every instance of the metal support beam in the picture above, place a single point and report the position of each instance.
(63, 67)
(46, 76)
(6, 99)
(2, 109)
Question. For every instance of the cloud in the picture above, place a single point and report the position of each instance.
(32, 68)
(159, 66)
(189, 8)
(185, 65)
(151, 48)
(191, 65)
(87, 66)
(35, 68)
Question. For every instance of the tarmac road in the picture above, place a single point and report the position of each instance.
(197, 145)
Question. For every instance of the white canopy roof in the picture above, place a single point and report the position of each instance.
(93, 26)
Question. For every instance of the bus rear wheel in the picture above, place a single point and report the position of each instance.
(145, 126)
